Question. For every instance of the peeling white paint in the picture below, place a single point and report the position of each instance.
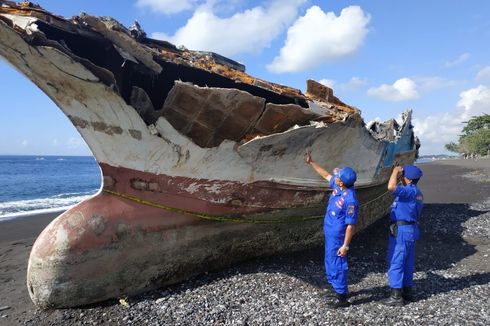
(214, 189)
(192, 188)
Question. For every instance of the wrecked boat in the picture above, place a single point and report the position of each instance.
(202, 164)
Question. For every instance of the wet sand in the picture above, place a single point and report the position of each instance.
(444, 182)
(16, 239)
(456, 181)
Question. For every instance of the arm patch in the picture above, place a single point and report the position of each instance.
(350, 210)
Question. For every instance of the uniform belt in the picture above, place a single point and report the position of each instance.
(404, 223)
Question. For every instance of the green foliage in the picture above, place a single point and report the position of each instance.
(476, 123)
(475, 138)
(452, 147)
(477, 142)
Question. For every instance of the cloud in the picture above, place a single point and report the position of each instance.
(475, 101)
(357, 81)
(435, 131)
(24, 142)
(483, 74)
(320, 37)
(249, 31)
(352, 84)
(402, 90)
(327, 82)
(167, 6)
(459, 60)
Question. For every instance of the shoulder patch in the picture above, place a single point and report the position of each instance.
(350, 209)
(420, 197)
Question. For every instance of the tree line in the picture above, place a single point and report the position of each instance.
(475, 137)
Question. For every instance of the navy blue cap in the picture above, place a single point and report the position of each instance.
(348, 176)
(412, 172)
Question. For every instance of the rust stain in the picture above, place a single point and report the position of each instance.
(320, 92)
(109, 182)
(98, 224)
(139, 184)
(105, 128)
(78, 122)
(136, 134)
(154, 186)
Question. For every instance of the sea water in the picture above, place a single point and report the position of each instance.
(39, 184)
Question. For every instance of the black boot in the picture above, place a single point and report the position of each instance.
(407, 294)
(330, 293)
(395, 298)
(339, 301)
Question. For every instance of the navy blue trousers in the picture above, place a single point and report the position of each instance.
(335, 267)
(401, 256)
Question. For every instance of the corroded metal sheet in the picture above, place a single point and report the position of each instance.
(210, 115)
(279, 118)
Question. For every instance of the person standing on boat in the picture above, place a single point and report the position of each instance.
(405, 212)
(338, 227)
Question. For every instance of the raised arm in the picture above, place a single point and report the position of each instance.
(321, 171)
(394, 178)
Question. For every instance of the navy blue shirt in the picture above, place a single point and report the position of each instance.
(408, 203)
(341, 210)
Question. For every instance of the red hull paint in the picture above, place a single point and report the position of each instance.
(108, 246)
(151, 232)
(214, 197)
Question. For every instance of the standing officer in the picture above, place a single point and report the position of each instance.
(338, 227)
(405, 212)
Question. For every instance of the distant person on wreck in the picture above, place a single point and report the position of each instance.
(405, 212)
(338, 227)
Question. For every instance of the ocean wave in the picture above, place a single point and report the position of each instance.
(75, 194)
(14, 216)
(40, 205)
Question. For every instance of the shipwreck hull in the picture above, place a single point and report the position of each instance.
(110, 245)
(202, 164)
(124, 241)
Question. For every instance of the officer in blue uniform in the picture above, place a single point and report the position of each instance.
(338, 227)
(405, 213)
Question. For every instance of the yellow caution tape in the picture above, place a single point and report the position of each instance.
(217, 217)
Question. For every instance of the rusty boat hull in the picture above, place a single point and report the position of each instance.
(202, 164)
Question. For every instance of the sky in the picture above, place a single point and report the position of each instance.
(380, 56)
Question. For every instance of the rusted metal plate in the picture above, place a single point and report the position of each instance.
(279, 118)
(210, 115)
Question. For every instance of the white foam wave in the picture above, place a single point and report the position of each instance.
(13, 209)
(14, 216)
